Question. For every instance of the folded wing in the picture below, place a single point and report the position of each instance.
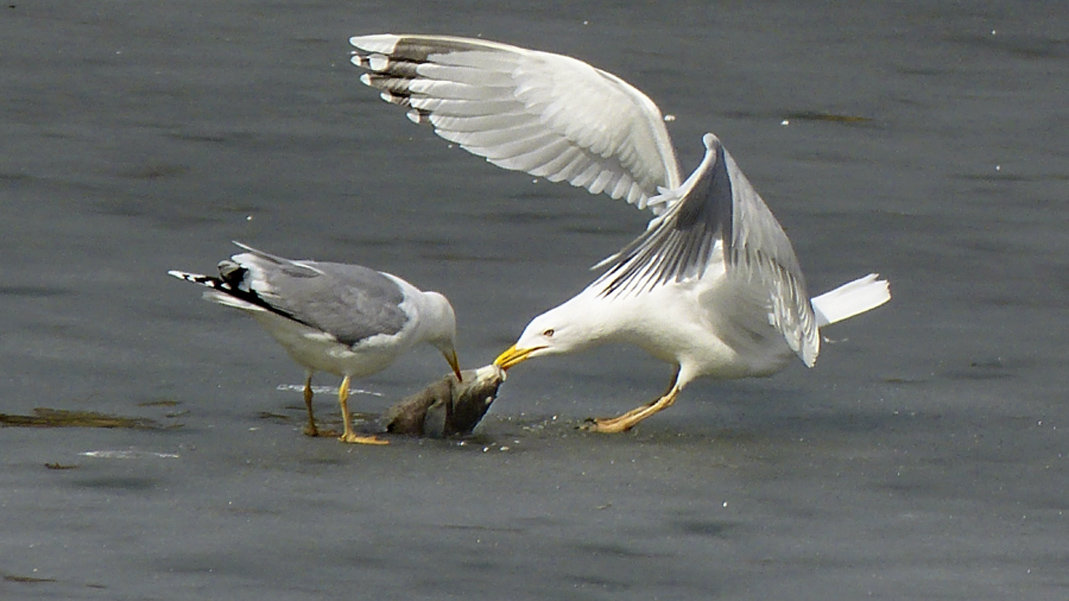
(350, 302)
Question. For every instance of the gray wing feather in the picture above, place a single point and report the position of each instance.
(349, 302)
(717, 211)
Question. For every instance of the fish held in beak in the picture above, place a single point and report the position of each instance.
(447, 407)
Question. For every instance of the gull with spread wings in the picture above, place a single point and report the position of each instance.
(712, 286)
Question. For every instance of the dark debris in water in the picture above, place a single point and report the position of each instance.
(60, 466)
(160, 403)
(166, 403)
(26, 579)
(43, 417)
(833, 117)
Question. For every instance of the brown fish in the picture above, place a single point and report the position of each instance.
(448, 406)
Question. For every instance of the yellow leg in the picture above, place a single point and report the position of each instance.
(310, 429)
(349, 435)
(626, 421)
(623, 417)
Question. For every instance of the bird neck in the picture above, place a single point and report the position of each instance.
(437, 321)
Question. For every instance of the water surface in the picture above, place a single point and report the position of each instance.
(924, 456)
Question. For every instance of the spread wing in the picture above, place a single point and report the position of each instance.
(548, 115)
(717, 216)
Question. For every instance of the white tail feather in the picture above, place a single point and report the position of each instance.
(851, 299)
(222, 298)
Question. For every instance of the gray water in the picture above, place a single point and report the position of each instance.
(923, 458)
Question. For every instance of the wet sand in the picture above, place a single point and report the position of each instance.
(924, 456)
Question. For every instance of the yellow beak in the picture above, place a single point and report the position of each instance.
(451, 357)
(513, 356)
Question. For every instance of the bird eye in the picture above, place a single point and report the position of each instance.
(548, 333)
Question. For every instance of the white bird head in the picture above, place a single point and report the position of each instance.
(568, 328)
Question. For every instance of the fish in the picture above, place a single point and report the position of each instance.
(447, 407)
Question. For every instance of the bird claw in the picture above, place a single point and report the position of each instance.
(352, 438)
(604, 426)
(588, 425)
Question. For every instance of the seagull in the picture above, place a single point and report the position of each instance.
(347, 320)
(712, 286)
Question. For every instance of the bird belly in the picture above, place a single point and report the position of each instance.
(319, 351)
(708, 335)
(740, 322)
(702, 352)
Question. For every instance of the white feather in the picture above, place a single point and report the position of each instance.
(850, 299)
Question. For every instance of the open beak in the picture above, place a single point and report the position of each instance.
(513, 356)
(451, 357)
